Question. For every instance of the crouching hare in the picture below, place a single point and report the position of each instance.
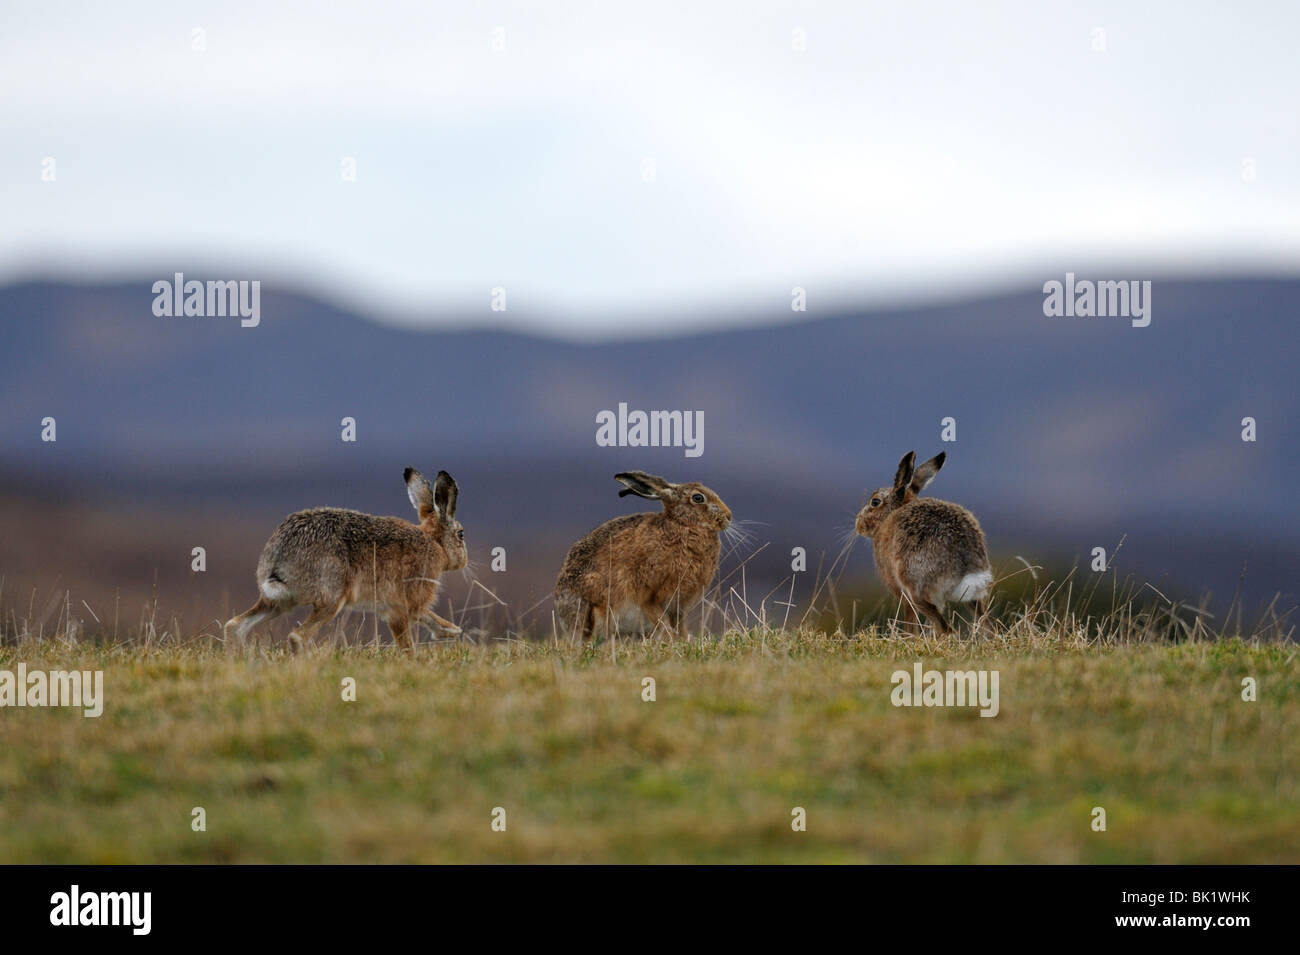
(929, 553)
(659, 563)
(333, 559)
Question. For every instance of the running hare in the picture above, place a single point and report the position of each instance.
(334, 559)
(929, 553)
(659, 563)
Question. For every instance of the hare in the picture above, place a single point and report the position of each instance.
(929, 553)
(333, 559)
(659, 563)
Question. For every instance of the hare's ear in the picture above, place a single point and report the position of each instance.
(903, 476)
(925, 473)
(445, 493)
(643, 485)
(420, 491)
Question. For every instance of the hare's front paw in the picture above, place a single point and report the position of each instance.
(443, 625)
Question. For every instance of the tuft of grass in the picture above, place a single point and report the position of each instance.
(1146, 721)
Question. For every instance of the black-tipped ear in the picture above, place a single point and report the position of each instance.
(903, 476)
(445, 493)
(420, 491)
(642, 485)
(925, 473)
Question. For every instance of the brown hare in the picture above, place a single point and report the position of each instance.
(929, 553)
(659, 563)
(335, 559)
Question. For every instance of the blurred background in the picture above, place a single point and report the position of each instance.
(644, 188)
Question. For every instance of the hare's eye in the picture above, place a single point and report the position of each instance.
(697, 498)
(875, 502)
(460, 535)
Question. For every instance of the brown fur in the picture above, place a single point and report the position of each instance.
(331, 559)
(924, 548)
(658, 563)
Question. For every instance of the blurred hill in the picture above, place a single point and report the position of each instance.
(1071, 433)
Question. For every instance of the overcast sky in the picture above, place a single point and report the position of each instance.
(911, 150)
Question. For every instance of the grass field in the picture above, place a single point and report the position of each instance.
(744, 728)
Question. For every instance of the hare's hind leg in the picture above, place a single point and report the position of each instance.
(400, 625)
(670, 619)
(906, 615)
(236, 628)
(935, 616)
(597, 618)
(575, 616)
(303, 633)
(581, 621)
(677, 617)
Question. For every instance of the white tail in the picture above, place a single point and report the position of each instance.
(973, 587)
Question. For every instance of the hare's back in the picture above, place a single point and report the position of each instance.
(932, 527)
(338, 534)
(612, 540)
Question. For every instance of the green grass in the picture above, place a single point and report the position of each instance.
(745, 727)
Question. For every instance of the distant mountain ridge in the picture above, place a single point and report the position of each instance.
(1071, 432)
